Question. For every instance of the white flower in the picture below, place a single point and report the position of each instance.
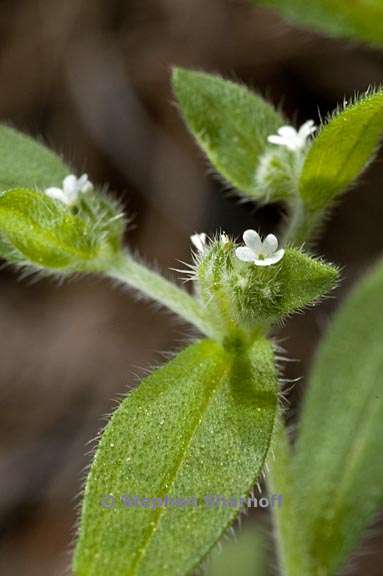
(260, 253)
(71, 189)
(293, 139)
(199, 241)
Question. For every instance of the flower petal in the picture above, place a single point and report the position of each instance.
(278, 140)
(82, 180)
(287, 132)
(87, 187)
(199, 241)
(270, 245)
(270, 261)
(306, 129)
(245, 254)
(263, 262)
(295, 144)
(292, 142)
(84, 184)
(56, 194)
(276, 257)
(252, 240)
(70, 184)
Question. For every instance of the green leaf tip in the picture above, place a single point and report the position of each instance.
(231, 125)
(25, 163)
(199, 426)
(305, 280)
(271, 293)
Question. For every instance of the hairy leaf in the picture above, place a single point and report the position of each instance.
(342, 150)
(361, 19)
(268, 294)
(229, 122)
(27, 164)
(303, 280)
(38, 230)
(338, 462)
(338, 156)
(199, 426)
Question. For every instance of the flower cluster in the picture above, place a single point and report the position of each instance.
(260, 253)
(71, 189)
(291, 138)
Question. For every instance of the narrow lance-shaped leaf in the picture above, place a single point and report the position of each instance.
(361, 20)
(338, 461)
(26, 163)
(198, 427)
(229, 122)
(338, 156)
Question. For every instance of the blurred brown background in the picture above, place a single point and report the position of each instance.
(92, 80)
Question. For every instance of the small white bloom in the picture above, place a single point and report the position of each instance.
(260, 253)
(71, 189)
(199, 241)
(224, 238)
(293, 139)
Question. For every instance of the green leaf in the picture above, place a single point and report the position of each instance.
(229, 122)
(199, 426)
(303, 280)
(268, 294)
(360, 20)
(35, 229)
(338, 462)
(337, 157)
(341, 151)
(244, 556)
(27, 164)
(236, 294)
(40, 231)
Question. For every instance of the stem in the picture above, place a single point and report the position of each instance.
(302, 224)
(158, 288)
(296, 224)
(293, 557)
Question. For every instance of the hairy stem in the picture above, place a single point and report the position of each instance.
(134, 274)
(302, 224)
(296, 223)
(293, 557)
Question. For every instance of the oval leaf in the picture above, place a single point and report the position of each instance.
(229, 122)
(199, 426)
(26, 164)
(338, 462)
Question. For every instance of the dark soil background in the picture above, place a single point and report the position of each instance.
(92, 80)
